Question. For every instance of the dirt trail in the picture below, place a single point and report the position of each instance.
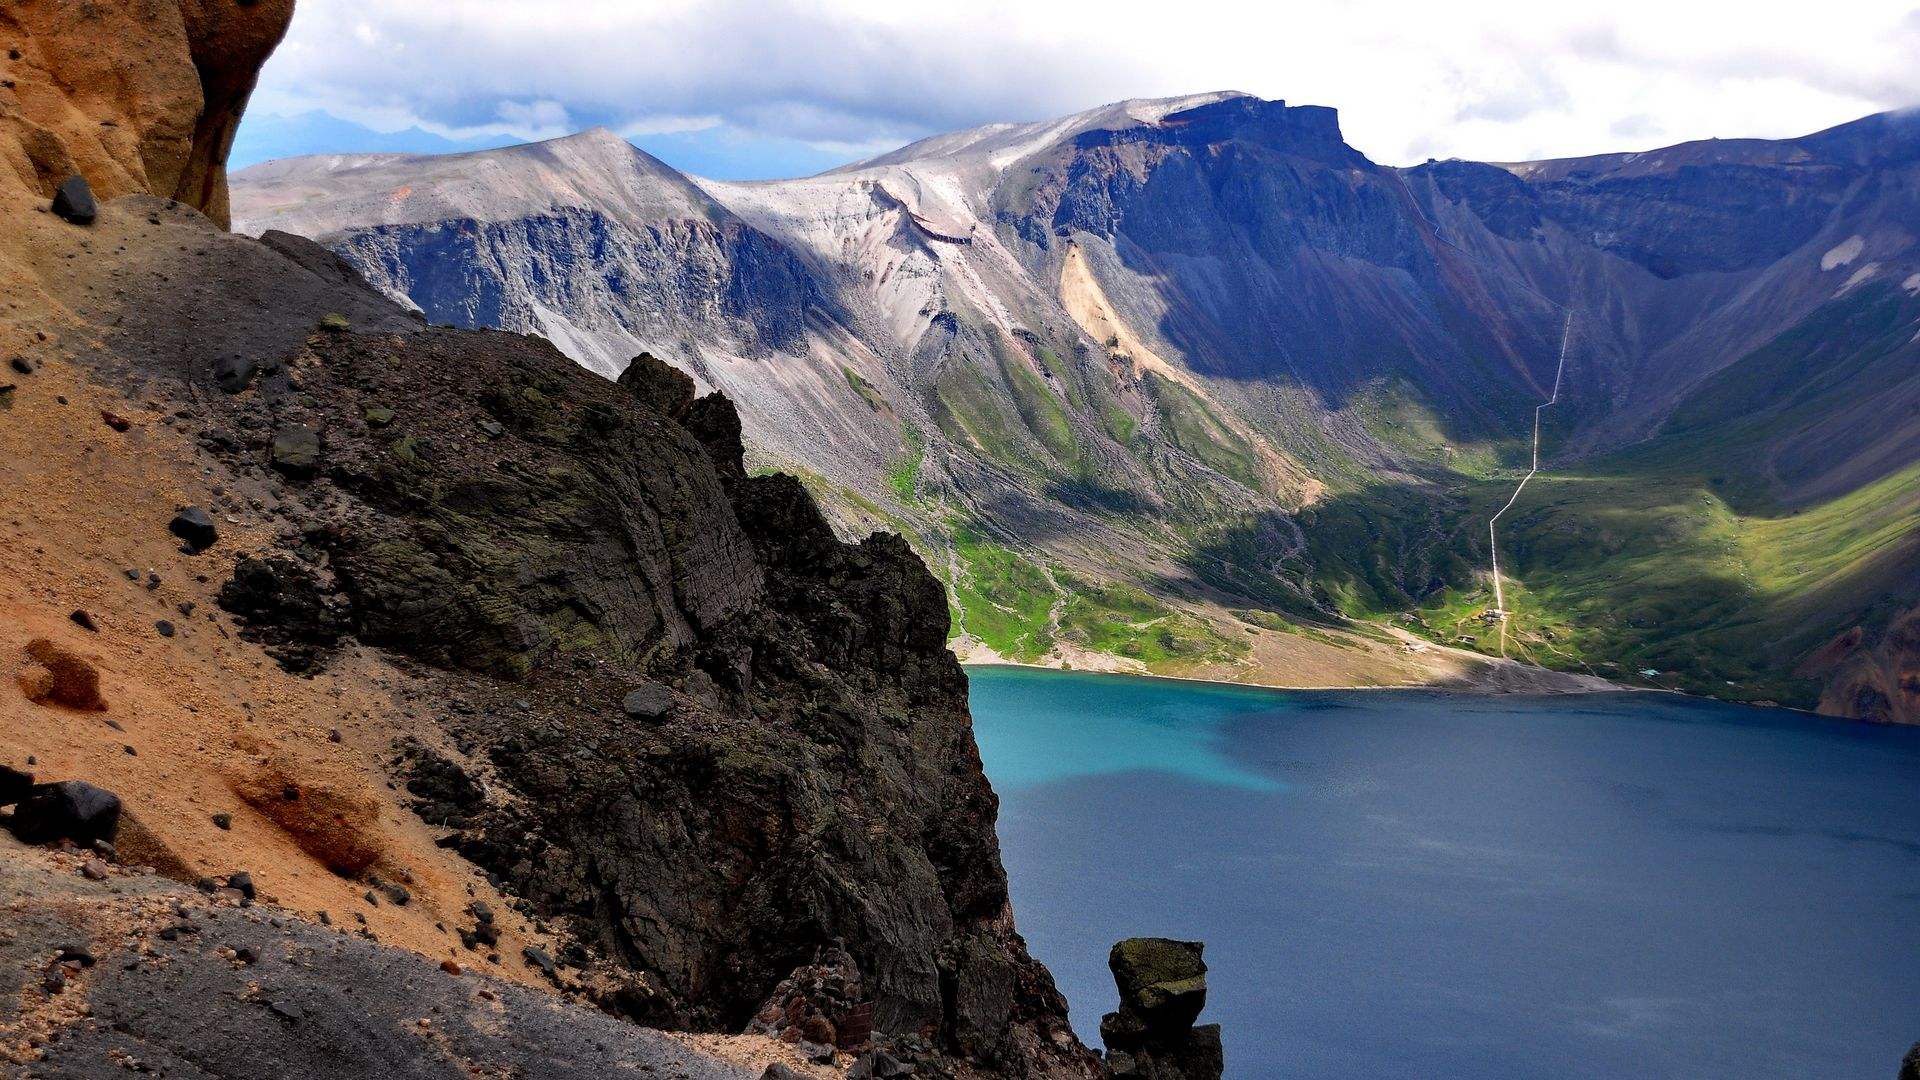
(1493, 538)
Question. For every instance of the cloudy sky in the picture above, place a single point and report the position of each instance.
(762, 88)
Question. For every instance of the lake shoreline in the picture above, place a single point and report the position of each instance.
(1548, 687)
(1476, 690)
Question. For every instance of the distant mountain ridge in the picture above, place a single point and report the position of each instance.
(1123, 372)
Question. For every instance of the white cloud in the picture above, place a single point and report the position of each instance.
(1488, 79)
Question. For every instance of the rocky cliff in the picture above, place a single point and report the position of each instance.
(136, 97)
(435, 637)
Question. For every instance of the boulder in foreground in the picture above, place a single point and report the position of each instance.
(70, 810)
(74, 201)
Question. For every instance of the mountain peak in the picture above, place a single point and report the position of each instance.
(595, 168)
(998, 145)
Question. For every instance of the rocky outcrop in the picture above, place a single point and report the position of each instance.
(135, 97)
(810, 778)
(1163, 988)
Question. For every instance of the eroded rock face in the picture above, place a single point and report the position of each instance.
(807, 777)
(138, 96)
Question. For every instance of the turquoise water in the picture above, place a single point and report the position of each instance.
(1430, 885)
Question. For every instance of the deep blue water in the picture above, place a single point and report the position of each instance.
(1428, 885)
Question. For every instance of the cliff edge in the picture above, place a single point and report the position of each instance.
(436, 638)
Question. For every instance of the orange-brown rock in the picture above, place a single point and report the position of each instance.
(56, 675)
(134, 95)
(330, 822)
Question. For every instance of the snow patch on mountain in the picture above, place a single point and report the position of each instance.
(1843, 253)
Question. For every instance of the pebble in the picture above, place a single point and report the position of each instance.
(93, 870)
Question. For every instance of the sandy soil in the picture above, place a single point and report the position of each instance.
(193, 717)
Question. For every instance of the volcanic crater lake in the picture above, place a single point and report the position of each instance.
(1420, 884)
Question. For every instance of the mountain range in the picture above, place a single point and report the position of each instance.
(1192, 386)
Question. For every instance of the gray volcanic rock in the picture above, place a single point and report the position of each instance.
(817, 785)
(74, 201)
(1162, 982)
(307, 1003)
(585, 240)
(71, 810)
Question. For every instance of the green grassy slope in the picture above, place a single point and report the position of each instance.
(1758, 525)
